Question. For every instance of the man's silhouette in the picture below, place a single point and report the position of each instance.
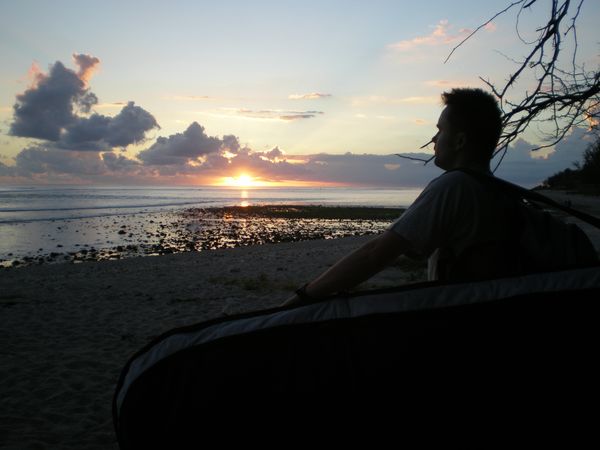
(458, 224)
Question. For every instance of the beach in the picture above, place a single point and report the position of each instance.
(68, 329)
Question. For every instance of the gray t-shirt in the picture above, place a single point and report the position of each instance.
(456, 212)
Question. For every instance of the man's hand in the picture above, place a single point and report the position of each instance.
(356, 267)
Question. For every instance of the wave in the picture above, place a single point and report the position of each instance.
(84, 208)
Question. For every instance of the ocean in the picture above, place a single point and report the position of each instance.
(38, 220)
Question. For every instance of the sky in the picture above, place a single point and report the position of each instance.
(253, 93)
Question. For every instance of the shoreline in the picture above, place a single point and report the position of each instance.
(193, 229)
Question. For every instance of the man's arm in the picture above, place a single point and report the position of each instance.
(357, 267)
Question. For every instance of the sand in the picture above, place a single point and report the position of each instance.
(68, 329)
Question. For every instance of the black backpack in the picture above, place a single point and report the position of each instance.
(539, 242)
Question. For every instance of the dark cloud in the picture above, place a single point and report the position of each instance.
(100, 133)
(528, 168)
(119, 163)
(289, 117)
(6, 171)
(371, 170)
(178, 156)
(42, 160)
(86, 134)
(231, 143)
(48, 110)
(274, 154)
(181, 147)
(268, 169)
(130, 126)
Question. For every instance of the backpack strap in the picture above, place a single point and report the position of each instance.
(521, 192)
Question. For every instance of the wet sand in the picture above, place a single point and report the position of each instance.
(196, 229)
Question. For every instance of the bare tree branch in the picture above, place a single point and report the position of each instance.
(562, 98)
(479, 28)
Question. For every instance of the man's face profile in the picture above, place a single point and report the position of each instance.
(445, 142)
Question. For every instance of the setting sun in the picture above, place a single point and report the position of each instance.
(242, 180)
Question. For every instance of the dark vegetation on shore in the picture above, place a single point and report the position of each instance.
(584, 178)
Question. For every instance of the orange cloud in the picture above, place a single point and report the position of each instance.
(490, 27)
(35, 75)
(592, 115)
(441, 35)
(87, 65)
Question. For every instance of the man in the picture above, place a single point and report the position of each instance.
(453, 215)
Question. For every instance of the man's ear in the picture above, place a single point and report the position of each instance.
(460, 140)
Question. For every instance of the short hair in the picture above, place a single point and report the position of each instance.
(477, 113)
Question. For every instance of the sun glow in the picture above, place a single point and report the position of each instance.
(245, 180)
(242, 180)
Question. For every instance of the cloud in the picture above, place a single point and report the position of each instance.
(371, 170)
(441, 35)
(182, 147)
(49, 110)
(87, 65)
(231, 144)
(98, 132)
(6, 171)
(592, 115)
(528, 168)
(379, 99)
(448, 84)
(47, 107)
(290, 117)
(119, 163)
(274, 154)
(47, 161)
(277, 114)
(188, 97)
(129, 126)
(193, 156)
(311, 96)
(270, 166)
(110, 105)
(491, 27)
